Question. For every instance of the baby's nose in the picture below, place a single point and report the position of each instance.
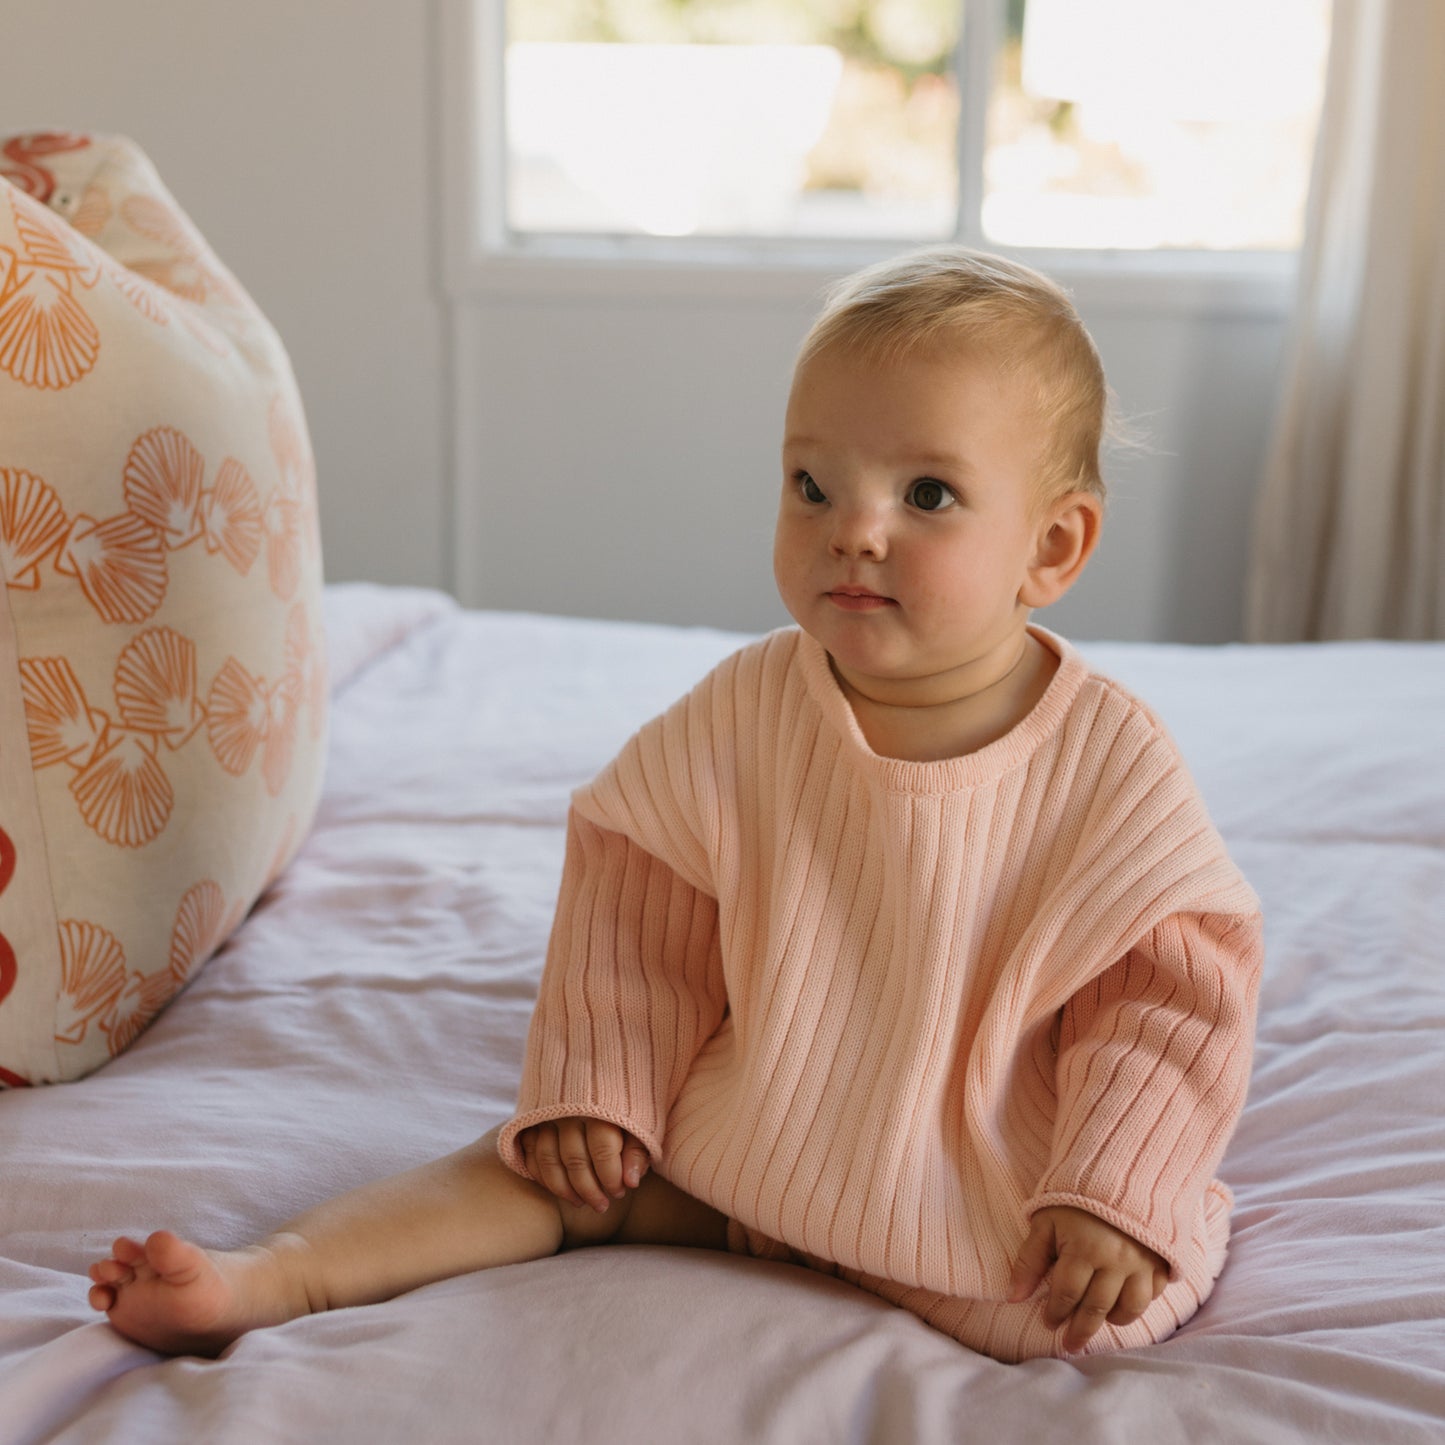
(859, 532)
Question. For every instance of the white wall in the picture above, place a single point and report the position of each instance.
(610, 452)
(623, 458)
(298, 134)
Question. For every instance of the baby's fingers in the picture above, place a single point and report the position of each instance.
(583, 1161)
(618, 1158)
(1033, 1261)
(1092, 1309)
(1068, 1284)
(543, 1154)
(573, 1146)
(635, 1161)
(605, 1147)
(1134, 1298)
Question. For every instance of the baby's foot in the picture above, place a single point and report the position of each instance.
(183, 1300)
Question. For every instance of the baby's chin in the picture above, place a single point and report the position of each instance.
(898, 683)
(917, 680)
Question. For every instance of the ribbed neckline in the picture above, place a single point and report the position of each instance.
(947, 775)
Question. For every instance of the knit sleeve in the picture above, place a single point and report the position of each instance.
(631, 990)
(1153, 1065)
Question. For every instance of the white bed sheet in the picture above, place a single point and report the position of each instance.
(371, 1013)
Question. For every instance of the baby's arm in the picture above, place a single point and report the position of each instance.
(1153, 1065)
(1095, 1273)
(632, 990)
(583, 1161)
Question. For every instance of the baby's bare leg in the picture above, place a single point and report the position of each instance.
(656, 1212)
(464, 1212)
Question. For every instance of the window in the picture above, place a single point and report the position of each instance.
(1075, 124)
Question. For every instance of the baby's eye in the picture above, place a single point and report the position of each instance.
(930, 496)
(811, 491)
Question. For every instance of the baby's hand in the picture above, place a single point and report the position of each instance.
(583, 1160)
(1095, 1273)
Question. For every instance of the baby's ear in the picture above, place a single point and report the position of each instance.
(1068, 532)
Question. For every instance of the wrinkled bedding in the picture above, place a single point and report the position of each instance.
(371, 1013)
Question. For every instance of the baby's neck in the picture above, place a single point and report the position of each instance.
(954, 726)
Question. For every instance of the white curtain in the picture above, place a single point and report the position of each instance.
(1349, 536)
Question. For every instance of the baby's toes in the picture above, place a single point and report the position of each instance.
(102, 1297)
(176, 1260)
(128, 1251)
(111, 1271)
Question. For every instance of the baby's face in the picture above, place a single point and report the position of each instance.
(908, 522)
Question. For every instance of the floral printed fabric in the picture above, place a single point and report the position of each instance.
(162, 684)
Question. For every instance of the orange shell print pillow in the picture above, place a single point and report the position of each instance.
(162, 683)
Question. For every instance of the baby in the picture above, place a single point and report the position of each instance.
(901, 947)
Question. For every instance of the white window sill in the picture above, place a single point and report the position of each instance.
(1219, 283)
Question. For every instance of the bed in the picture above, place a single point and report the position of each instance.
(371, 1012)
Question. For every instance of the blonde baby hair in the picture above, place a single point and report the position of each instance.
(950, 295)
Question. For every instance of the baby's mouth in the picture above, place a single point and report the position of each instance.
(859, 599)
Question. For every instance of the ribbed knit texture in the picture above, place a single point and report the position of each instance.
(879, 1011)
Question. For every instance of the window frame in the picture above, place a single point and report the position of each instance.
(481, 257)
